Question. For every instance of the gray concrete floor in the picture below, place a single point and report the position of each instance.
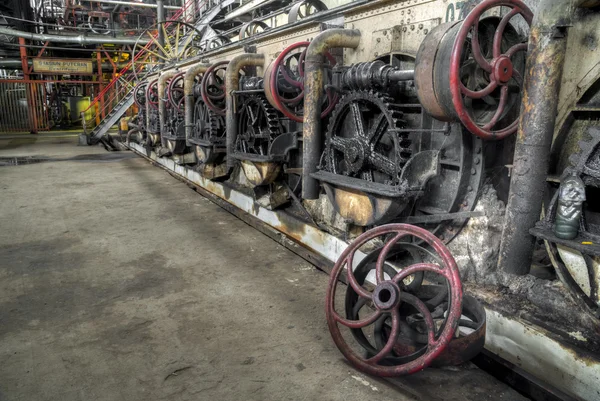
(118, 282)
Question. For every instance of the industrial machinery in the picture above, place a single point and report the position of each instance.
(415, 144)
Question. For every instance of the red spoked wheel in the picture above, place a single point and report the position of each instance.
(175, 92)
(152, 94)
(479, 69)
(284, 82)
(387, 299)
(139, 94)
(213, 87)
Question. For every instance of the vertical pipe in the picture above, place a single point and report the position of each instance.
(160, 18)
(232, 83)
(162, 105)
(101, 84)
(543, 75)
(188, 91)
(313, 100)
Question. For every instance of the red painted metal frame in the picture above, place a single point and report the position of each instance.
(448, 269)
(495, 67)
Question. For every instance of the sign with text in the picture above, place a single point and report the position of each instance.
(62, 66)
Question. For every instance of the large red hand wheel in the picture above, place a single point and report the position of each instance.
(139, 94)
(499, 70)
(152, 94)
(175, 92)
(386, 298)
(284, 88)
(213, 87)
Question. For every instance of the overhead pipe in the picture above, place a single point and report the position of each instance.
(543, 76)
(188, 91)
(232, 83)
(81, 39)
(132, 4)
(313, 100)
(162, 105)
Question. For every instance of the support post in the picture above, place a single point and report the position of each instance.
(543, 76)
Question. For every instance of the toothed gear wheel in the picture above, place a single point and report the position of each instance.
(258, 126)
(208, 126)
(577, 269)
(586, 162)
(361, 141)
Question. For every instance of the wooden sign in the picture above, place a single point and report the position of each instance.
(62, 66)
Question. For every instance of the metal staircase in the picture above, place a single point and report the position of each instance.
(97, 134)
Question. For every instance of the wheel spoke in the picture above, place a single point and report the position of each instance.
(418, 267)
(338, 143)
(352, 280)
(382, 163)
(480, 93)
(357, 324)
(357, 119)
(476, 48)
(159, 46)
(382, 255)
(391, 342)
(499, 110)
(424, 311)
(519, 47)
(177, 43)
(500, 31)
(377, 129)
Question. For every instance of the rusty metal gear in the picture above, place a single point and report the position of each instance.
(361, 141)
(258, 126)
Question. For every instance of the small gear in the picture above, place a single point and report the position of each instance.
(361, 141)
(258, 126)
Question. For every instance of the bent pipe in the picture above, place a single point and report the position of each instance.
(162, 105)
(232, 83)
(313, 100)
(543, 76)
(81, 39)
(188, 91)
(129, 133)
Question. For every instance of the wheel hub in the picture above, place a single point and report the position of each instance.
(386, 295)
(355, 155)
(502, 69)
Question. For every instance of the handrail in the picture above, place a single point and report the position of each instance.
(128, 66)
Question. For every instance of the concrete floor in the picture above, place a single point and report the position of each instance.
(118, 282)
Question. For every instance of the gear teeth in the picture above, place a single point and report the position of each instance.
(586, 148)
(386, 104)
(271, 114)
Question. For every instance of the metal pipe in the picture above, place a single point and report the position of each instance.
(160, 18)
(188, 91)
(132, 4)
(543, 75)
(232, 83)
(162, 106)
(81, 39)
(313, 99)
(129, 133)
